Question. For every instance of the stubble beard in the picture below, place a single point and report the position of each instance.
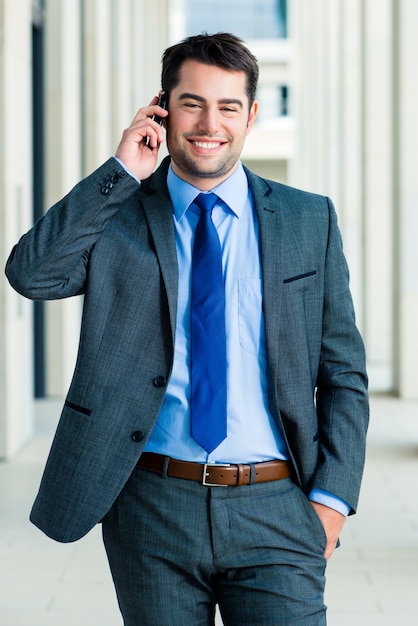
(195, 166)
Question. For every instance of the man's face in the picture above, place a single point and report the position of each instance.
(209, 119)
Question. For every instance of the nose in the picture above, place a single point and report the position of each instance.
(209, 121)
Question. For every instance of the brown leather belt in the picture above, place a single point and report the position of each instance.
(215, 475)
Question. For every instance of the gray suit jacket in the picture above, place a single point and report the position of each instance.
(118, 249)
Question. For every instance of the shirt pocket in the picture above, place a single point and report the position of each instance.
(250, 314)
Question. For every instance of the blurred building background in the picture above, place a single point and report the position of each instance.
(338, 96)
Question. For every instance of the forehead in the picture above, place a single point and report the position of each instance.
(200, 78)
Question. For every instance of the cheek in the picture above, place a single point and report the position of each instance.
(171, 129)
(177, 122)
(240, 134)
(238, 130)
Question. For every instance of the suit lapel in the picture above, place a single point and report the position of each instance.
(159, 214)
(269, 214)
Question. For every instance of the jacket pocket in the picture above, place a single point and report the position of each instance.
(78, 408)
(298, 277)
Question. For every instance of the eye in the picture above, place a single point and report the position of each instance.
(229, 110)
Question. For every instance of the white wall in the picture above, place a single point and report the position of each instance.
(16, 415)
(406, 201)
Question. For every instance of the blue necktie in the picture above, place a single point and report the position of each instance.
(208, 338)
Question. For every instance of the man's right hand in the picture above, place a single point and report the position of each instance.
(132, 151)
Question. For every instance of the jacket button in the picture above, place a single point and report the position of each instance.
(137, 436)
(159, 381)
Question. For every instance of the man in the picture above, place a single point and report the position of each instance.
(249, 519)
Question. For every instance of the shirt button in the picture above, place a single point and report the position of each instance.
(159, 381)
(137, 436)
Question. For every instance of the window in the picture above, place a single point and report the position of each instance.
(249, 19)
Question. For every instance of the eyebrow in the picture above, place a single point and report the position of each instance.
(192, 96)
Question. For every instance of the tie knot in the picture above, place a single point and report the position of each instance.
(206, 201)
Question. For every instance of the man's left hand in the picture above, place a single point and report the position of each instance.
(332, 522)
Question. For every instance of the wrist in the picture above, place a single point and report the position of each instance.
(127, 170)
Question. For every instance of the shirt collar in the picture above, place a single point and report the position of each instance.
(233, 192)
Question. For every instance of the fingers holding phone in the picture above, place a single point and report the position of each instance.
(163, 103)
(138, 149)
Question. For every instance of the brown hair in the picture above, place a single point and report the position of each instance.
(222, 49)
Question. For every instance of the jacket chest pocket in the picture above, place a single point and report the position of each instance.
(300, 281)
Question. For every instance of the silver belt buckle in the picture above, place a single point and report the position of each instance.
(206, 473)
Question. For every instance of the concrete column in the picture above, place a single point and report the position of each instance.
(344, 119)
(326, 104)
(303, 170)
(123, 43)
(378, 190)
(316, 29)
(406, 202)
(97, 83)
(121, 33)
(351, 205)
(333, 105)
(16, 355)
(140, 91)
(151, 34)
(63, 100)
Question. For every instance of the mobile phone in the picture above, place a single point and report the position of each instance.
(163, 103)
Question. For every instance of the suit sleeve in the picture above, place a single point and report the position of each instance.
(341, 396)
(50, 261)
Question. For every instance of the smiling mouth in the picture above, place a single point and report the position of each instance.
(207, 145)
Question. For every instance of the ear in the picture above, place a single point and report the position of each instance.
(252, 115)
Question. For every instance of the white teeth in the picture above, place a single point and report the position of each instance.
(206, 145)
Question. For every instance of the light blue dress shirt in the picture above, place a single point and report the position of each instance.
(253, 435)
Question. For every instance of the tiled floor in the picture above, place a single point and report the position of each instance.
(372, 578)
